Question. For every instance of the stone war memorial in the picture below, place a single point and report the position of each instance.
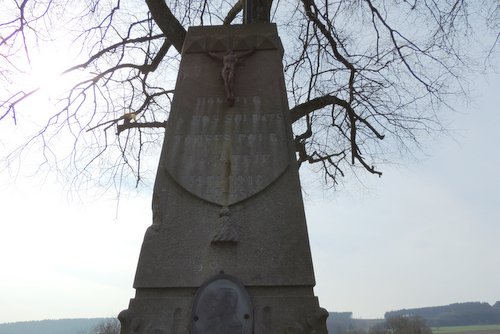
(228, 249)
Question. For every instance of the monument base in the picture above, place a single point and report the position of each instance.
(276, 310)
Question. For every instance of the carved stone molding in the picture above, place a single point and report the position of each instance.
(226, 229)
(230, 39)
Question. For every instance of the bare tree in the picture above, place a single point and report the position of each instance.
(365, 78)
(407, 325)
(108, 326)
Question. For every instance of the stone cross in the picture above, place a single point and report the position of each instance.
(247, 10)
(256, 11)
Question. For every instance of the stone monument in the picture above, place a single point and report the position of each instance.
(228, 250)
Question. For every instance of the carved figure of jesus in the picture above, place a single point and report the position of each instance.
(229, 61)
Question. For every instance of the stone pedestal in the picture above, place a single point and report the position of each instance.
(228, 250)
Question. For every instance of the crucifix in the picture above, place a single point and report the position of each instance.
(229, 61)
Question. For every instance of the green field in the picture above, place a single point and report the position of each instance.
(466, 329)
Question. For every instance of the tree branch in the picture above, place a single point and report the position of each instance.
(125, 126)
(112, 48)
(308, 107)
(238, 7)
(168, 23)
(158, 58)
(317, 103)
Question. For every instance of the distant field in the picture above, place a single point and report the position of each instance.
(483, 329)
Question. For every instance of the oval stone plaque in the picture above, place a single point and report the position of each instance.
(222, 306)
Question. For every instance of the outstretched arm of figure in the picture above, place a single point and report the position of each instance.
(246, 53)
(215, 56)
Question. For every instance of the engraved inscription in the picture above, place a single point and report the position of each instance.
(226, 155)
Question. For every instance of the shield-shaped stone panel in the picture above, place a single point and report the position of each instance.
(225, 155)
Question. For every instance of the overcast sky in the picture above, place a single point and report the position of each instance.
(426, 233)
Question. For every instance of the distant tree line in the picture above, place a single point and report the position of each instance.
(459, 314)
(343, 323)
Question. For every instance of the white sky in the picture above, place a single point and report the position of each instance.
(426, 233)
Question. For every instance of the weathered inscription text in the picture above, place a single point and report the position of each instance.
(225, 155)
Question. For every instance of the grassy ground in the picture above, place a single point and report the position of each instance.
(483, 329)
